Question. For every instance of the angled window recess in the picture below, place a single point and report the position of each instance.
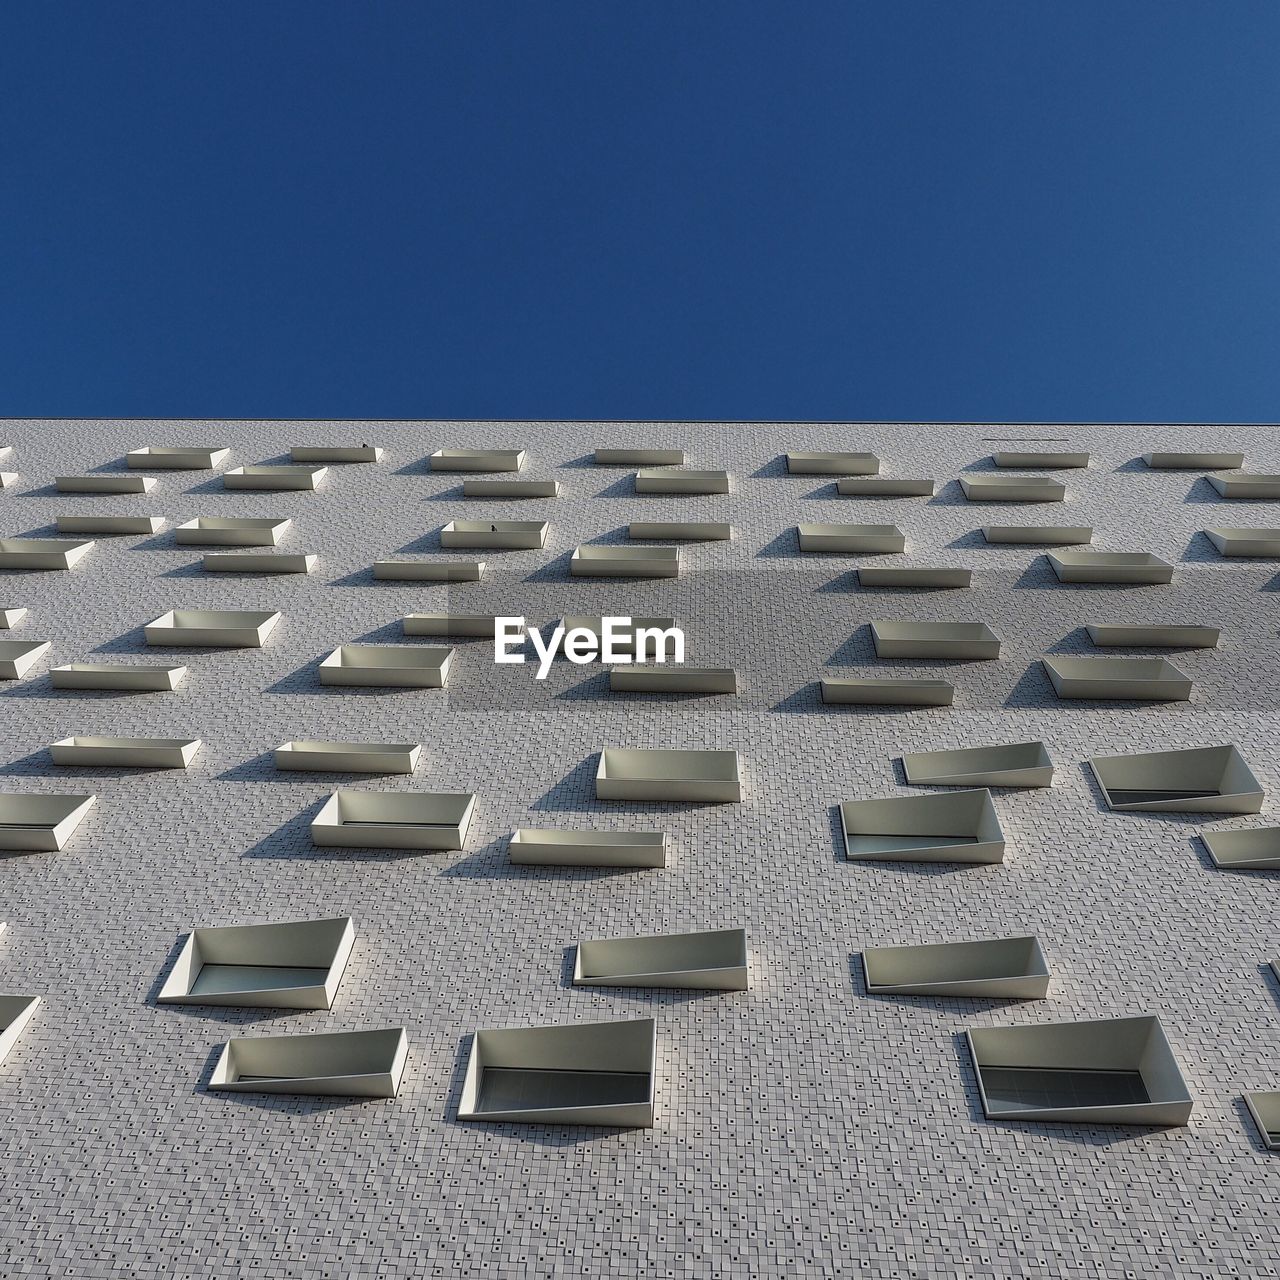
(275, 478)
(884, 487)
(1193, 461)
(1039, 535)
(1119, 635)
(255, 562)
(1246, 485)
(888, 691)
(966, 641)
(398, 665)
(715, 960)
(338, 1064)
(1137, 568)
(104, 484)
(1264, 1107)
(106, 675)
(679, 530)
(17, 657)
(673, 679)
(428, 570)
(297, 965)
(348, 757)
(40, 823)
(1013, 764)
(832, 464)
(448, 624)
(625, 562)
(960, 826)
(648, 481)
(1194, 780)
(508, 535)
(110, 524)
(1256, 849)
(212, 628)
(222, 531)
(394, 820)
(625, 637)
(913, 576)
(1259, 543)
(477, 460)
(327, 453)
(992, 968)
(1128, 679)
(511, 488)
(1012, 489)
(639, 457)
(153, 459)
(852, 539)
(41, 553)
(136, 753)
(594, 1073)
(1048, 459)
(15, 1013)
(552, 847)
(1109, 1071)
(11, 618)
(8, 478)
(668, 775)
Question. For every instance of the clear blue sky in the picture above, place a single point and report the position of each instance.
(692, 209)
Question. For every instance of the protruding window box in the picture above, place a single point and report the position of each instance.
(1120, 635)
(327, 453)
(1257, 543)
(1012, 489)
(679, 530)
(963, 641)
(273, 478)
(428, 570)
(673, 679)
(888, 691)
(884, 487)
(1264, 1107)
(128, 753)
(222, 531)
(212, 628)
(15, 1013)
(17, 657)
(714, 960)
(625, 562)
(106, 483)
(337, 1064)
(509, 535)
(1109, 1071)
(1128, 679)
(155, 459)
(250, 562)
(477, 460)
(394, 820)
(833, 464)
(639, 457)
(469, 625)
(1048, 459)
(704, 482)
(1195, 780)
(401, 666)
(852, 539)
(961, 826)
(297, 965)
(913, 576)
(104, 675)
(625, 636)
(11, 617)
(668, 775)
(1255, 849)
(992, 968)
(1135, 568)
(594, 1073)
(511, 489)
(551, 847)
(109, 524)
(1014, 764)
(40, 823)
(41, 553)
(1247, 485)
(1193, 461)
(1038, 535)
(348, 757)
